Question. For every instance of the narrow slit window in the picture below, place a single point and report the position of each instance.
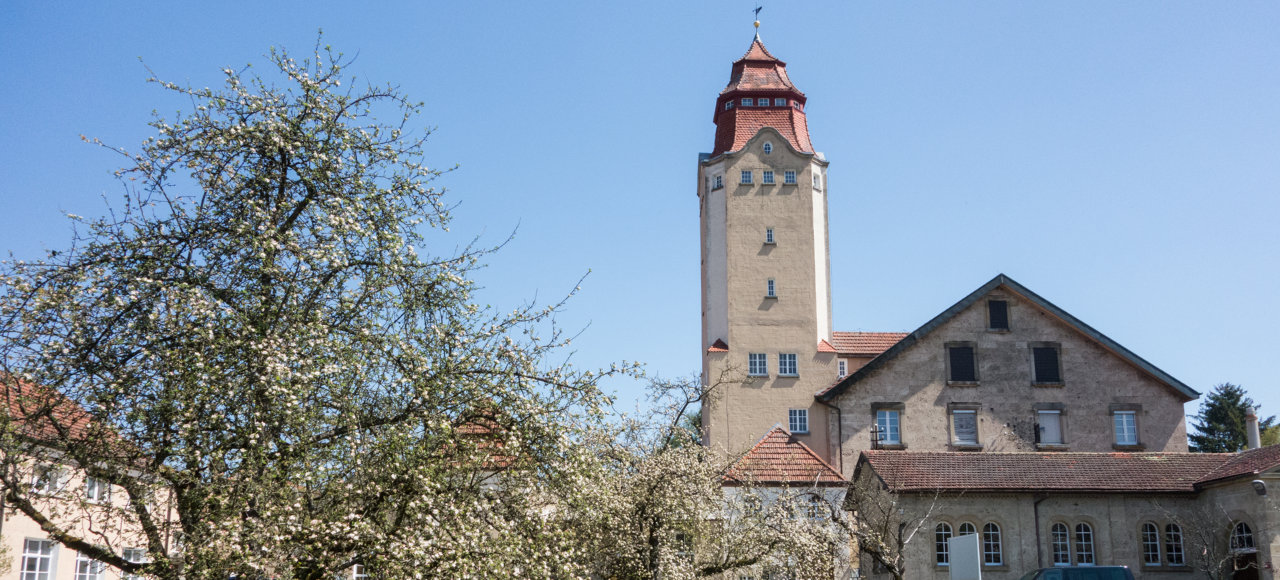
(768, 235)
(770, 289)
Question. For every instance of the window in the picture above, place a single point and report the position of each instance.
(746, 177)
(767, 177)
(97, 490)
(46, 480)
(747, 102)
(966, 529)
(1084, 545)
(135, 555)
(887, 423)
(37, 560)
(1059, 540)
(842, 368)
(358, 572)
(770, 289)
(997, 315)
(817, 181)
(768, 148)
(1045, 365)
(787, 365)
(728, 105)
(88, 569)
(817, 508)
(962, 364)
(1049, 427)
(798, 420)
(1173, 553)
(1150, 544)
(718, 182)
(768, 235)
(964, 426)
(757, 364)
(1242, 538)
(991, 552)
(1126, 426)
(942, 553)
(789, 177)
(779, 102)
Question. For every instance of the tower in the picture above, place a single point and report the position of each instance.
(766, 290)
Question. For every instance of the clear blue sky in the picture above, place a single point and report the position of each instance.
(1120, 159)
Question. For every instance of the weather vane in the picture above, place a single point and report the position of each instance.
(757, 22)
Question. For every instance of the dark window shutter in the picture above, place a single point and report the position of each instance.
(1046, 363)
(962, 367)
(999, 315)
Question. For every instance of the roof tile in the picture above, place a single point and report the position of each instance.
(778, 458)
(864, 343)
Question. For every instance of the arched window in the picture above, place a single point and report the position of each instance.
(1150, 544)
(966, 529)
(1173, 545)
(768, 147)
(941, 534)
(1242, 538)
(1084, 545)
(991, 551)
(1059, 538)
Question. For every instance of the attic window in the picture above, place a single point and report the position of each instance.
(997, 315)
(768, 148)
(962, 363)
(728, 105)
(1045, 364)
(779, 102)
(747, 101)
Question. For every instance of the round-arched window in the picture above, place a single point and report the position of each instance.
(768, 147)
(1242, 538)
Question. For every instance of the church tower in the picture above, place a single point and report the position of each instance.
(766, 286)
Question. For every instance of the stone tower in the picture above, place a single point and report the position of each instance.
(766, 289)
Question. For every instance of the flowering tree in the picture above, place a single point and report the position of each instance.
(882, 524)
(258, 353)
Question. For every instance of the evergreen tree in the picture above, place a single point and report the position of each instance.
(1220, 426)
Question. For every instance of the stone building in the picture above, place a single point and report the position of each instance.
(1000, 380)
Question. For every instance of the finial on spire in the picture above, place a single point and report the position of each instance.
(757, 22)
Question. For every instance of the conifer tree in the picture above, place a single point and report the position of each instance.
(1220, 426)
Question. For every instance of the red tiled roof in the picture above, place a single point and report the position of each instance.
(1078, 472)
(759, 70)
(1250, 462)
(778, 458)
(42, 413)
(824, 346)
(865, 343)
(759, 75)
(737, 126)
(718, 346)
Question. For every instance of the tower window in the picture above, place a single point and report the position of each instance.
(728, 105)
(798, 420)
(757, 364)
(768, 148)
(746, 177)
(789, 177)
(747, 102)
(770, 289)
(717, 182)
(768, 235)
(817, 181)
(787, 365)
(997, 315)
(779, 102)
(767, 178)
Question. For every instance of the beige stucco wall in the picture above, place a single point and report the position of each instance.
(737, 262)
(1095, 380)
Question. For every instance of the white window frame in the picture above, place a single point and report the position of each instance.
(728, 104)
(38, 559)
(358, 572)
(757, 364)
(789, 177)
(955, 432)
(767, 147)
(889, 424)
(817, 181)
(46, 479)
(1125, 425)
(768, 236)
(1084, 545)
(717, 182)
(89, 569)
(766, 176)
(992, 545)
(941, 550)
(972, 529)
(770, 289)
(788, 365)
(1056, 416)
(97, 490)
(1174, 550)
(1151, 540)
(748, 102)
(779, 102)
(798, 420)
(1060, 544)
(135, 555)
(842, 368)
(1242, 539)
(745, 177)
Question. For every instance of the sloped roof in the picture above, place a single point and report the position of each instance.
(737, 126)
(44, 414)
(718, 346)
(864, 343)
(1250, 462)
(779, 459)
(1186, 392)
(908, 471)
(758, 70)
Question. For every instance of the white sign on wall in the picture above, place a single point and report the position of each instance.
(966, 557)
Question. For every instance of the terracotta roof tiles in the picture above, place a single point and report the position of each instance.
(864, 343)
(778, 458)
(1250, 462)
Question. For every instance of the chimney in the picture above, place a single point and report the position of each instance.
(1251, 434)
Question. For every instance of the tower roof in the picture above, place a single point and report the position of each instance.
(759, 95)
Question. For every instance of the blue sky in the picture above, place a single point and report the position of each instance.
(1120, 159)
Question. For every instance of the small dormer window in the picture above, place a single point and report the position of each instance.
(768, 148)
(779, 102)
(728, 105)
(747, 101)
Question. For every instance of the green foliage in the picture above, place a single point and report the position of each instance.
(1220, 425)
(270, 352)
